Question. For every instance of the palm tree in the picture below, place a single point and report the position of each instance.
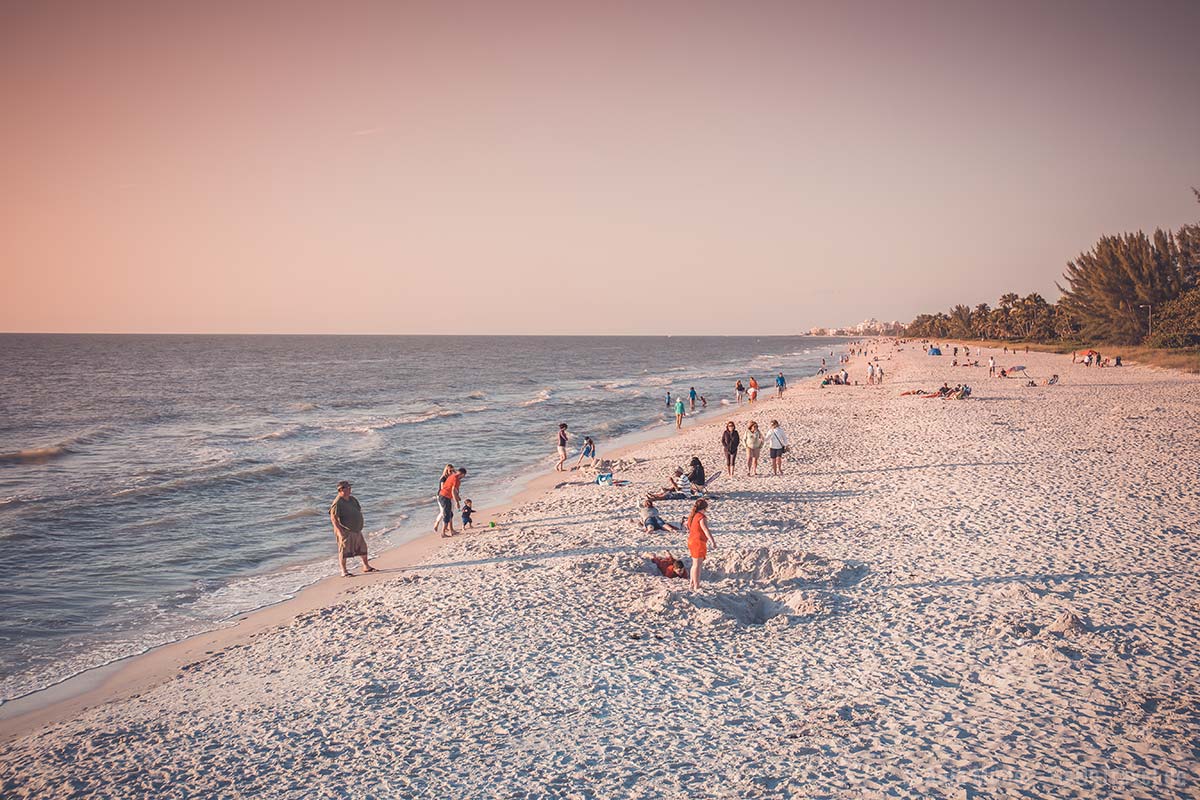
(1108, 285)
(960, 321)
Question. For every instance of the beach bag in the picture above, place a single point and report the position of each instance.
(604, 479)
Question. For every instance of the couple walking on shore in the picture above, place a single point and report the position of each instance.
(732, 441)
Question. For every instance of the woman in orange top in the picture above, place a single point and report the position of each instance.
(700, 538)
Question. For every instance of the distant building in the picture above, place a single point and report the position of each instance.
(868, 327)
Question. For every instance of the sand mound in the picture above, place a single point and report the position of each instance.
(765, 566)
(750, 587)
(743, 606)
(1069, 624)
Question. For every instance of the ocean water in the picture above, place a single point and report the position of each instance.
(152, 487)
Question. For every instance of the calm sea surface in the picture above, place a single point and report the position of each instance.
(155, 486)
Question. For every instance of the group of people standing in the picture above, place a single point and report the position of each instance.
(732, 442)
(749, 391)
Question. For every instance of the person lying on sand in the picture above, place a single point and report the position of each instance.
(651, 521)
(670, 566)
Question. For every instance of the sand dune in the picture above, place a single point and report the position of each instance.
(983, 598)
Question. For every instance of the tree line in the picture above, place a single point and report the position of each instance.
(1128, 289)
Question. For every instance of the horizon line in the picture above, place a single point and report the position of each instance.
(525, 335)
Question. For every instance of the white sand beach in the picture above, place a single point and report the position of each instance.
(994, 597)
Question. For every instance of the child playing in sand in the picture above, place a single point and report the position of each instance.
(467, 511)
(700, 538)
(588, 453)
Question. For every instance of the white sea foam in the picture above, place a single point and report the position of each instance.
(206, 479)
(541, 397)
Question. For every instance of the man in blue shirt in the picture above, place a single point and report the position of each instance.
(780, 384)
(692, 397)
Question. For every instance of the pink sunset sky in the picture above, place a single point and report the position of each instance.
(600, 168)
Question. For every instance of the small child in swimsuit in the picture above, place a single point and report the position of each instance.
(467, 511)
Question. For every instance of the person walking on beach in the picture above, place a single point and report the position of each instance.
(346, 515)
(741, 390)
(730, 441)
(563, 438)
(450, 499)
(668, 398)
(821, 371)
(753, 443)
(679, 413)
(692, 397)
(870, 373)
(991, 366)
(446, 470)
(780, 384)
(753, 389)
(700, 538)
(777, 442)
(879, 374)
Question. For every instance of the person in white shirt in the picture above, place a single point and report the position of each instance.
(777, 442)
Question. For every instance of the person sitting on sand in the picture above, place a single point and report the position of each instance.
(695, 476)
(700, 538)
(651, 521)
(672, 491)
(346, 515)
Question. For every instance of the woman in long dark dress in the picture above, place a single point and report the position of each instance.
(730, 440)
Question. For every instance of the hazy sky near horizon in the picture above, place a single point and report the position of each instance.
(601, 168)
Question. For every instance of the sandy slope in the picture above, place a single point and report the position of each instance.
(988, 598)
